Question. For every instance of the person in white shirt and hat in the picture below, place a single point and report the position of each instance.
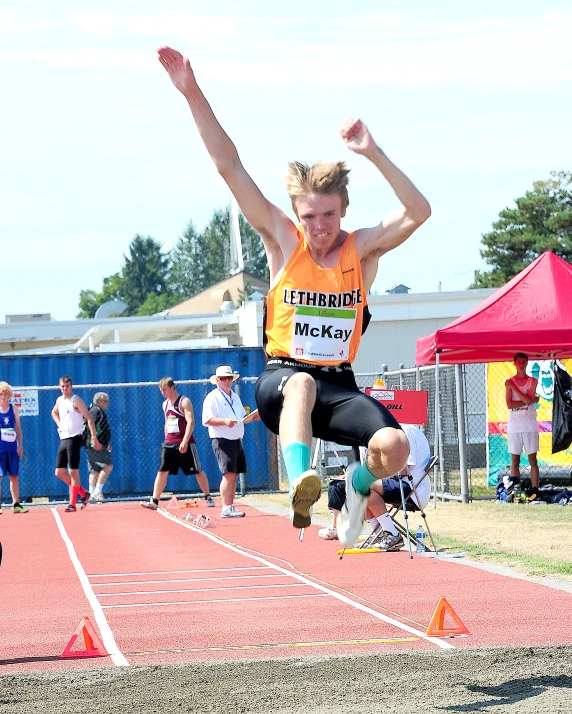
(223, 414)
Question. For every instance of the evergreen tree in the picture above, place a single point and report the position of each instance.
(201, 260)
(187, 277)
(146, 271)
(255, 261)
(151, 281)
(541, 221)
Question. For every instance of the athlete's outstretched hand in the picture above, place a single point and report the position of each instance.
(356, 135)
(178, 68)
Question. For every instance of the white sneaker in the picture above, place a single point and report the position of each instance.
(329, 533)
(231, 512)
(150, 504)
(306, 490)
(350, 521)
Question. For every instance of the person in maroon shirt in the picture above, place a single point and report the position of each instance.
(179, 450)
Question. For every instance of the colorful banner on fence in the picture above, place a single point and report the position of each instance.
(497, 416)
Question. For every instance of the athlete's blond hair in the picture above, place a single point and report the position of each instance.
(321, 177)
(5, 387)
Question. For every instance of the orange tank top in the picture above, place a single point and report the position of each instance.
(314, 314)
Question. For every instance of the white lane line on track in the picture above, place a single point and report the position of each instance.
(175, 572)
(208, 602)
(186, 580)
(201, 590)
(301, 578)
(107, 637)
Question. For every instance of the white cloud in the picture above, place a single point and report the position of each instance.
(376, 49)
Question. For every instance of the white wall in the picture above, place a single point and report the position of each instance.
(398, 320)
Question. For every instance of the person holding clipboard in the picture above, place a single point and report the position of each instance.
(225, 417)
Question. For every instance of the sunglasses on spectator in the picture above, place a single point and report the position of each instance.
(224, 378)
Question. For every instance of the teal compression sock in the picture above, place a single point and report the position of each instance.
(297, 460)
(362, 480)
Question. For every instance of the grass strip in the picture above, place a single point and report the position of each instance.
(527, 564)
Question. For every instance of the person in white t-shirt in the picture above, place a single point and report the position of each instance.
(68, 413)
(522, 428)
(223, 414)
(388, 490)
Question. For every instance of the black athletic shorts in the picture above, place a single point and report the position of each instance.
(342, 413)
(98, 459)
(69, 452)
(391, 492)
(230, 456)
(172, 460)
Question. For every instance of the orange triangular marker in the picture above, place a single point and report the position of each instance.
(437, 627)
(93, 645)
(173, 503)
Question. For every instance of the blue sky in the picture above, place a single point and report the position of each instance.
(471, 100)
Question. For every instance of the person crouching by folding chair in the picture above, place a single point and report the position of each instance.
(387, 490)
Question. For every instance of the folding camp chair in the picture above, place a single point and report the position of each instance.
(407, 506)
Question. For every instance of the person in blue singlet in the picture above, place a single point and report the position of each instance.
(11, 445)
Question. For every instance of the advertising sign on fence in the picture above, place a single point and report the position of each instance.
(27, 402)
(408, 407)
(497, 416)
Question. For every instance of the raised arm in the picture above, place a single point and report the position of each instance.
(275, 228)
(399, 225)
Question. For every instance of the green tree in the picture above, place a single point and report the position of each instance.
(90, 300)
(541, 221)
(200, 260)
(186, 265)
(255, 261)
(157, 303)
(151, 281)
(146, 271)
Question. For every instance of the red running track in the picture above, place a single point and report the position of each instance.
(160, 592)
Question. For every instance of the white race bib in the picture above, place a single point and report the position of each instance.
(8, 435)
(172, 425)
(322, 334)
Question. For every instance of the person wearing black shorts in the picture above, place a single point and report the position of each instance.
(179, 450)
(223, 414)
(320, 276)
(99, 462)
(68, 413)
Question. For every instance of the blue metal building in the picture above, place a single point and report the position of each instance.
(135, 415)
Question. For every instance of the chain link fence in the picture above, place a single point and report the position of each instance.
(462, 413)
(137, 432)
(471, 426)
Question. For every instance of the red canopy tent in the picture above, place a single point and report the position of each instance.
(532, 313)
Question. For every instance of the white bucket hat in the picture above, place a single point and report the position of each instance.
(224, 371)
